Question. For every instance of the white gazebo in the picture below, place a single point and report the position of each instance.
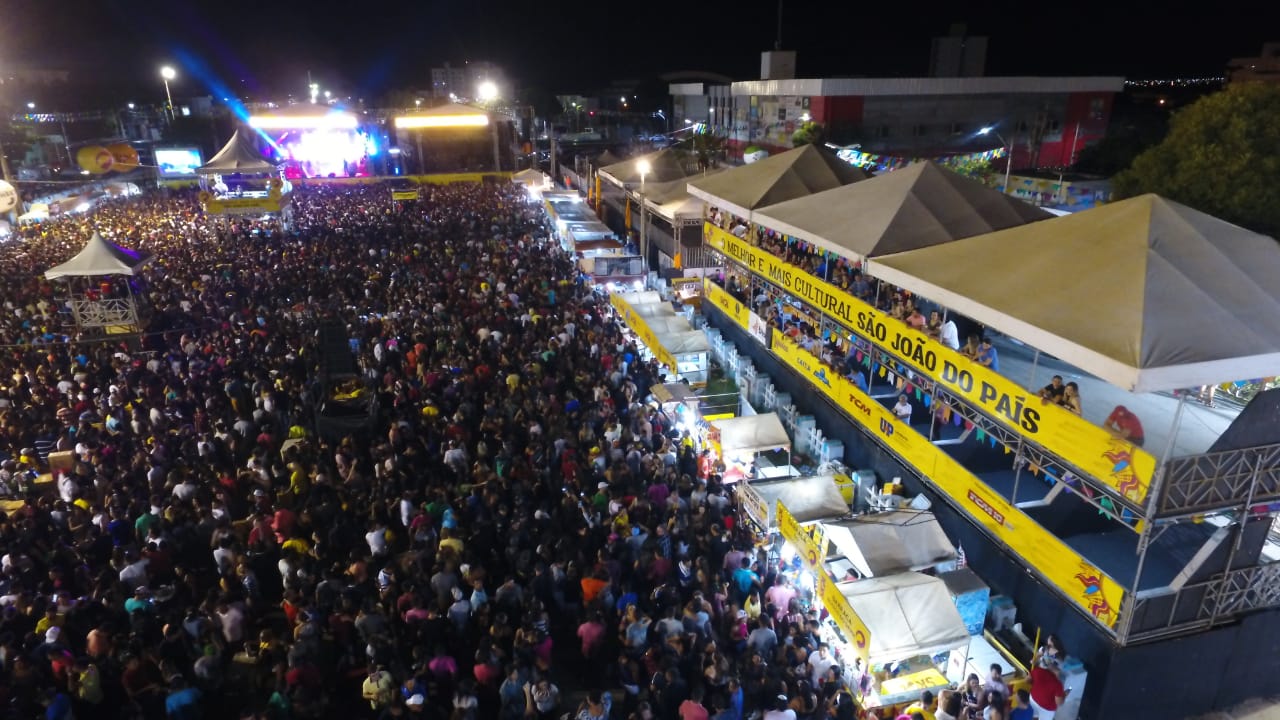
(102, 298)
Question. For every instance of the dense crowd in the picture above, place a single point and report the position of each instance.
(516, 533)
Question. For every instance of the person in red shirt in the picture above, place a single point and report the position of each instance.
(1047, 692)
(693, 709)
(1124, 423)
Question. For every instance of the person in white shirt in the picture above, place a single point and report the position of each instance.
(903, 409)
(949, 335)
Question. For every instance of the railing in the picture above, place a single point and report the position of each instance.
(107, 312)
(1220, 480)
(1206, 604)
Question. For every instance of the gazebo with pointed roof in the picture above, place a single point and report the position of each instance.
(238, 157)
(1145, 293)
(99, 305)
(918, 206)
(794, 174)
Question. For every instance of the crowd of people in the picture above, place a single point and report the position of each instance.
(514, 533)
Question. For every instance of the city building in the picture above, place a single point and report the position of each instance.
(1047, 120)
(1264, 68)
(464, 80)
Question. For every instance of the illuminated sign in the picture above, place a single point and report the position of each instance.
(843, 615)
(809, 540)
(330, 121)
(642, 330)
(411, 122)
(1119, 465)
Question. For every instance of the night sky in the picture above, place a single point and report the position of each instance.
(267, 46)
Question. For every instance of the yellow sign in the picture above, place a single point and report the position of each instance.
(842, 614)
(923, 680)
(1096, 452)
(739, 313)
(1049, 556)
(809, 540)
(752, 504)
(404, 194)
(642, 330)
(242, 205)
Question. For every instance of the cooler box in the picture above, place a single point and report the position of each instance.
(971, 596)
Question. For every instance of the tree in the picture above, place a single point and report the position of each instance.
(810, 133)
(1222, 156)
(974, 167)
(706, 147)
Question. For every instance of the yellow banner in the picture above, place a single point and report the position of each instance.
(809, 540)
(1052, 558)
(404, 194)
(642, 330)
(752, 503)
(842, 614)
(1096, 452)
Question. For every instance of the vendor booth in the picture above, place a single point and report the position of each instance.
(811, 498)
(669, 336)
(239, 181)
(887, 543)
(742, 441)
(914, 627)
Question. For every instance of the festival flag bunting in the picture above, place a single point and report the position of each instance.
(982, 435)
(992, 440)
(926, 400)
(1007, 449)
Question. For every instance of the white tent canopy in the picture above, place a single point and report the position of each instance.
(797, 173)
(685, 342)
(887, 543)
(673, 392)
(531, 176)
(671, 200)
(1180, 299)
(99, 257)
(908, 615)
(238, 156)
(806, 498)
(645, 297)
(756, 433)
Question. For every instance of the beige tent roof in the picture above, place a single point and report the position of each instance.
(1144, 293)
(793, 174)
(237, 156)
(672, 200)
(99, 257)
(918, 206)
(686, 341)
(664, 166)
(806, 498)
(908, 615)
(882, 544)
(531, 176)
(754, 433)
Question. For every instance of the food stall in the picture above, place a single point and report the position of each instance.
(887, 543)
(912, 624)
(691, 352)
(739, 442)
(807, 499)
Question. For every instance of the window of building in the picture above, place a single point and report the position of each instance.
(920, 130)
(1095, 108)
(1055, 125)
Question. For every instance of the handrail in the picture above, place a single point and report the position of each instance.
(1220, 480)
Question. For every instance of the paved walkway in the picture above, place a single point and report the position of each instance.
(1200, 427)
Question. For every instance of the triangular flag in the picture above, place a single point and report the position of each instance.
(926, 400)
(1007, 449)
(982, 435)
(858, 356)
(883, 371)
(992, 439)
(1035, 469)
(955, 418)
(968, 425)
(919, 395)
(892, 378)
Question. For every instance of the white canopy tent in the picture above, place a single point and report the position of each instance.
(645, 297)
(99, 257)
(673, 392)
(238, 156)
(1182, 300)
(683, 342)
(807, 498)
(908, 615)
(756, 433)
(893, 542)
(793, 174)
(531, 178)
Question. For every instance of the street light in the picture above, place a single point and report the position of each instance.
(487, 91)
(643, 167)
(1008, 160)
(168, 73)
(31, 106)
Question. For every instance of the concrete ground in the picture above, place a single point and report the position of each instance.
(1200, 426)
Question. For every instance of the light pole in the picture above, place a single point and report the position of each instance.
(643, 167)
(1008, 160)
(167, 73)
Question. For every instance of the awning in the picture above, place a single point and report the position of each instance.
(687, 342)
(893, 542)
(908, 615)
(99, 257)
(756, 433)
(793, 174)
(672, 392)
(806, 498)
(1144, 293)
